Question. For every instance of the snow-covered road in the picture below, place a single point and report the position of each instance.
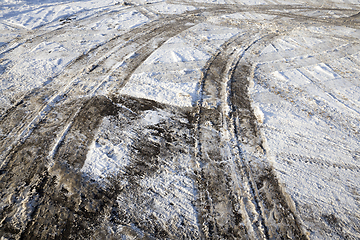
(223, 119)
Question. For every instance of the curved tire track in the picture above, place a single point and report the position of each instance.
(32, 39)
(66, 118)
(248, 198)
(66, 124)
(118, 63)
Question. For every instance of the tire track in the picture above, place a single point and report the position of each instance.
(214, 190)
(150, 38)
(139, 44)
(65, 128)
(272, 203)
(225, 122)
(351, 21)
(40, 101)
(153, 41)
(33, 39)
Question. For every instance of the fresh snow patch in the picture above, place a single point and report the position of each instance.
(248, 16)
(175, 51)
(104, 159)
(121, 21)
(258, 114)
(293, 77)
(154, 117)
(147, 85)
(106, 154)
(321, 72)
(165, 8)
(182, 195)
(26, 16)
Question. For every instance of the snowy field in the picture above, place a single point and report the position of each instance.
(193, 119)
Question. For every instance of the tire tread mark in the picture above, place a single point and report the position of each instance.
(67, 117)
(23, 130)
(249, 197)
(120, 78)
(262, 178)
(61, 29)
(210, 76)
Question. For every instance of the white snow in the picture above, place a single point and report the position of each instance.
(103, 160)
(32, 14)
(149, 86)
(165, 8)
(107, 155)
(258, 114)
(311, 123)
(248, 16)
(154, 117)
(122, 21)
(32, 68)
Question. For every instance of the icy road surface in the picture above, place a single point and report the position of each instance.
(204, 119)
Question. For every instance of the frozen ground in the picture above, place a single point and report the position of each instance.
(204, 119)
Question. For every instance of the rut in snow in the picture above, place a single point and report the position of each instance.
(248, 197)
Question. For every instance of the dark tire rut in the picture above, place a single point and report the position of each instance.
(247, 196)
(52, 141)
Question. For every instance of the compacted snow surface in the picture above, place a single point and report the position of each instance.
(204, 119)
